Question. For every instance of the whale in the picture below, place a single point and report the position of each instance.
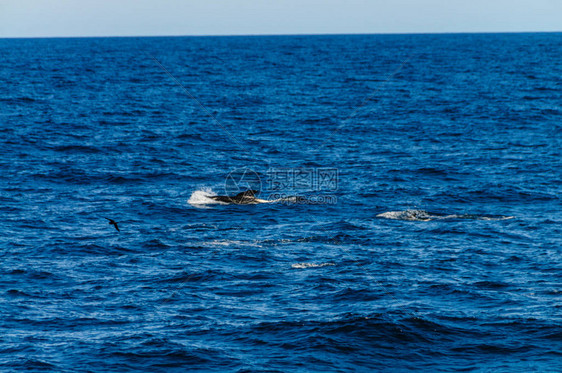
(247, 197)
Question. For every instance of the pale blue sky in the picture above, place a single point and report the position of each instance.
(30, 18)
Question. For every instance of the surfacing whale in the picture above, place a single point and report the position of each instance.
(247, 197)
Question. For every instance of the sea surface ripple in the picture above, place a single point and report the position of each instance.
(438, 248)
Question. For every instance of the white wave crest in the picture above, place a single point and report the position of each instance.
(311, 265)
(496, 218)
(226, 243)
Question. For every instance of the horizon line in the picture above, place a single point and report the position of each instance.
(281, 34)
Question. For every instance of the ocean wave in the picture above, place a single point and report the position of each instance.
(18, 100)
(422, 215)
(226, 243)
(332, 287)
(311, 265)
(29, 364)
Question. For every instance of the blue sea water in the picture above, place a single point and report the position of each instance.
(434, 243)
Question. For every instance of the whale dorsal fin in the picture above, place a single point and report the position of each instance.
(247, 193)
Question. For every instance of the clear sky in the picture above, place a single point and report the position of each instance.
(31, 18)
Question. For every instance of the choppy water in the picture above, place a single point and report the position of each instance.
(434, 242)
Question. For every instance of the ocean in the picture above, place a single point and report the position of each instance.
(410, 214)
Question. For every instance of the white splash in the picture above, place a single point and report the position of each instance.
(200, 198)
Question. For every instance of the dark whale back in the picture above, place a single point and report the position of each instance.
(247, 193)
(247, 196)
